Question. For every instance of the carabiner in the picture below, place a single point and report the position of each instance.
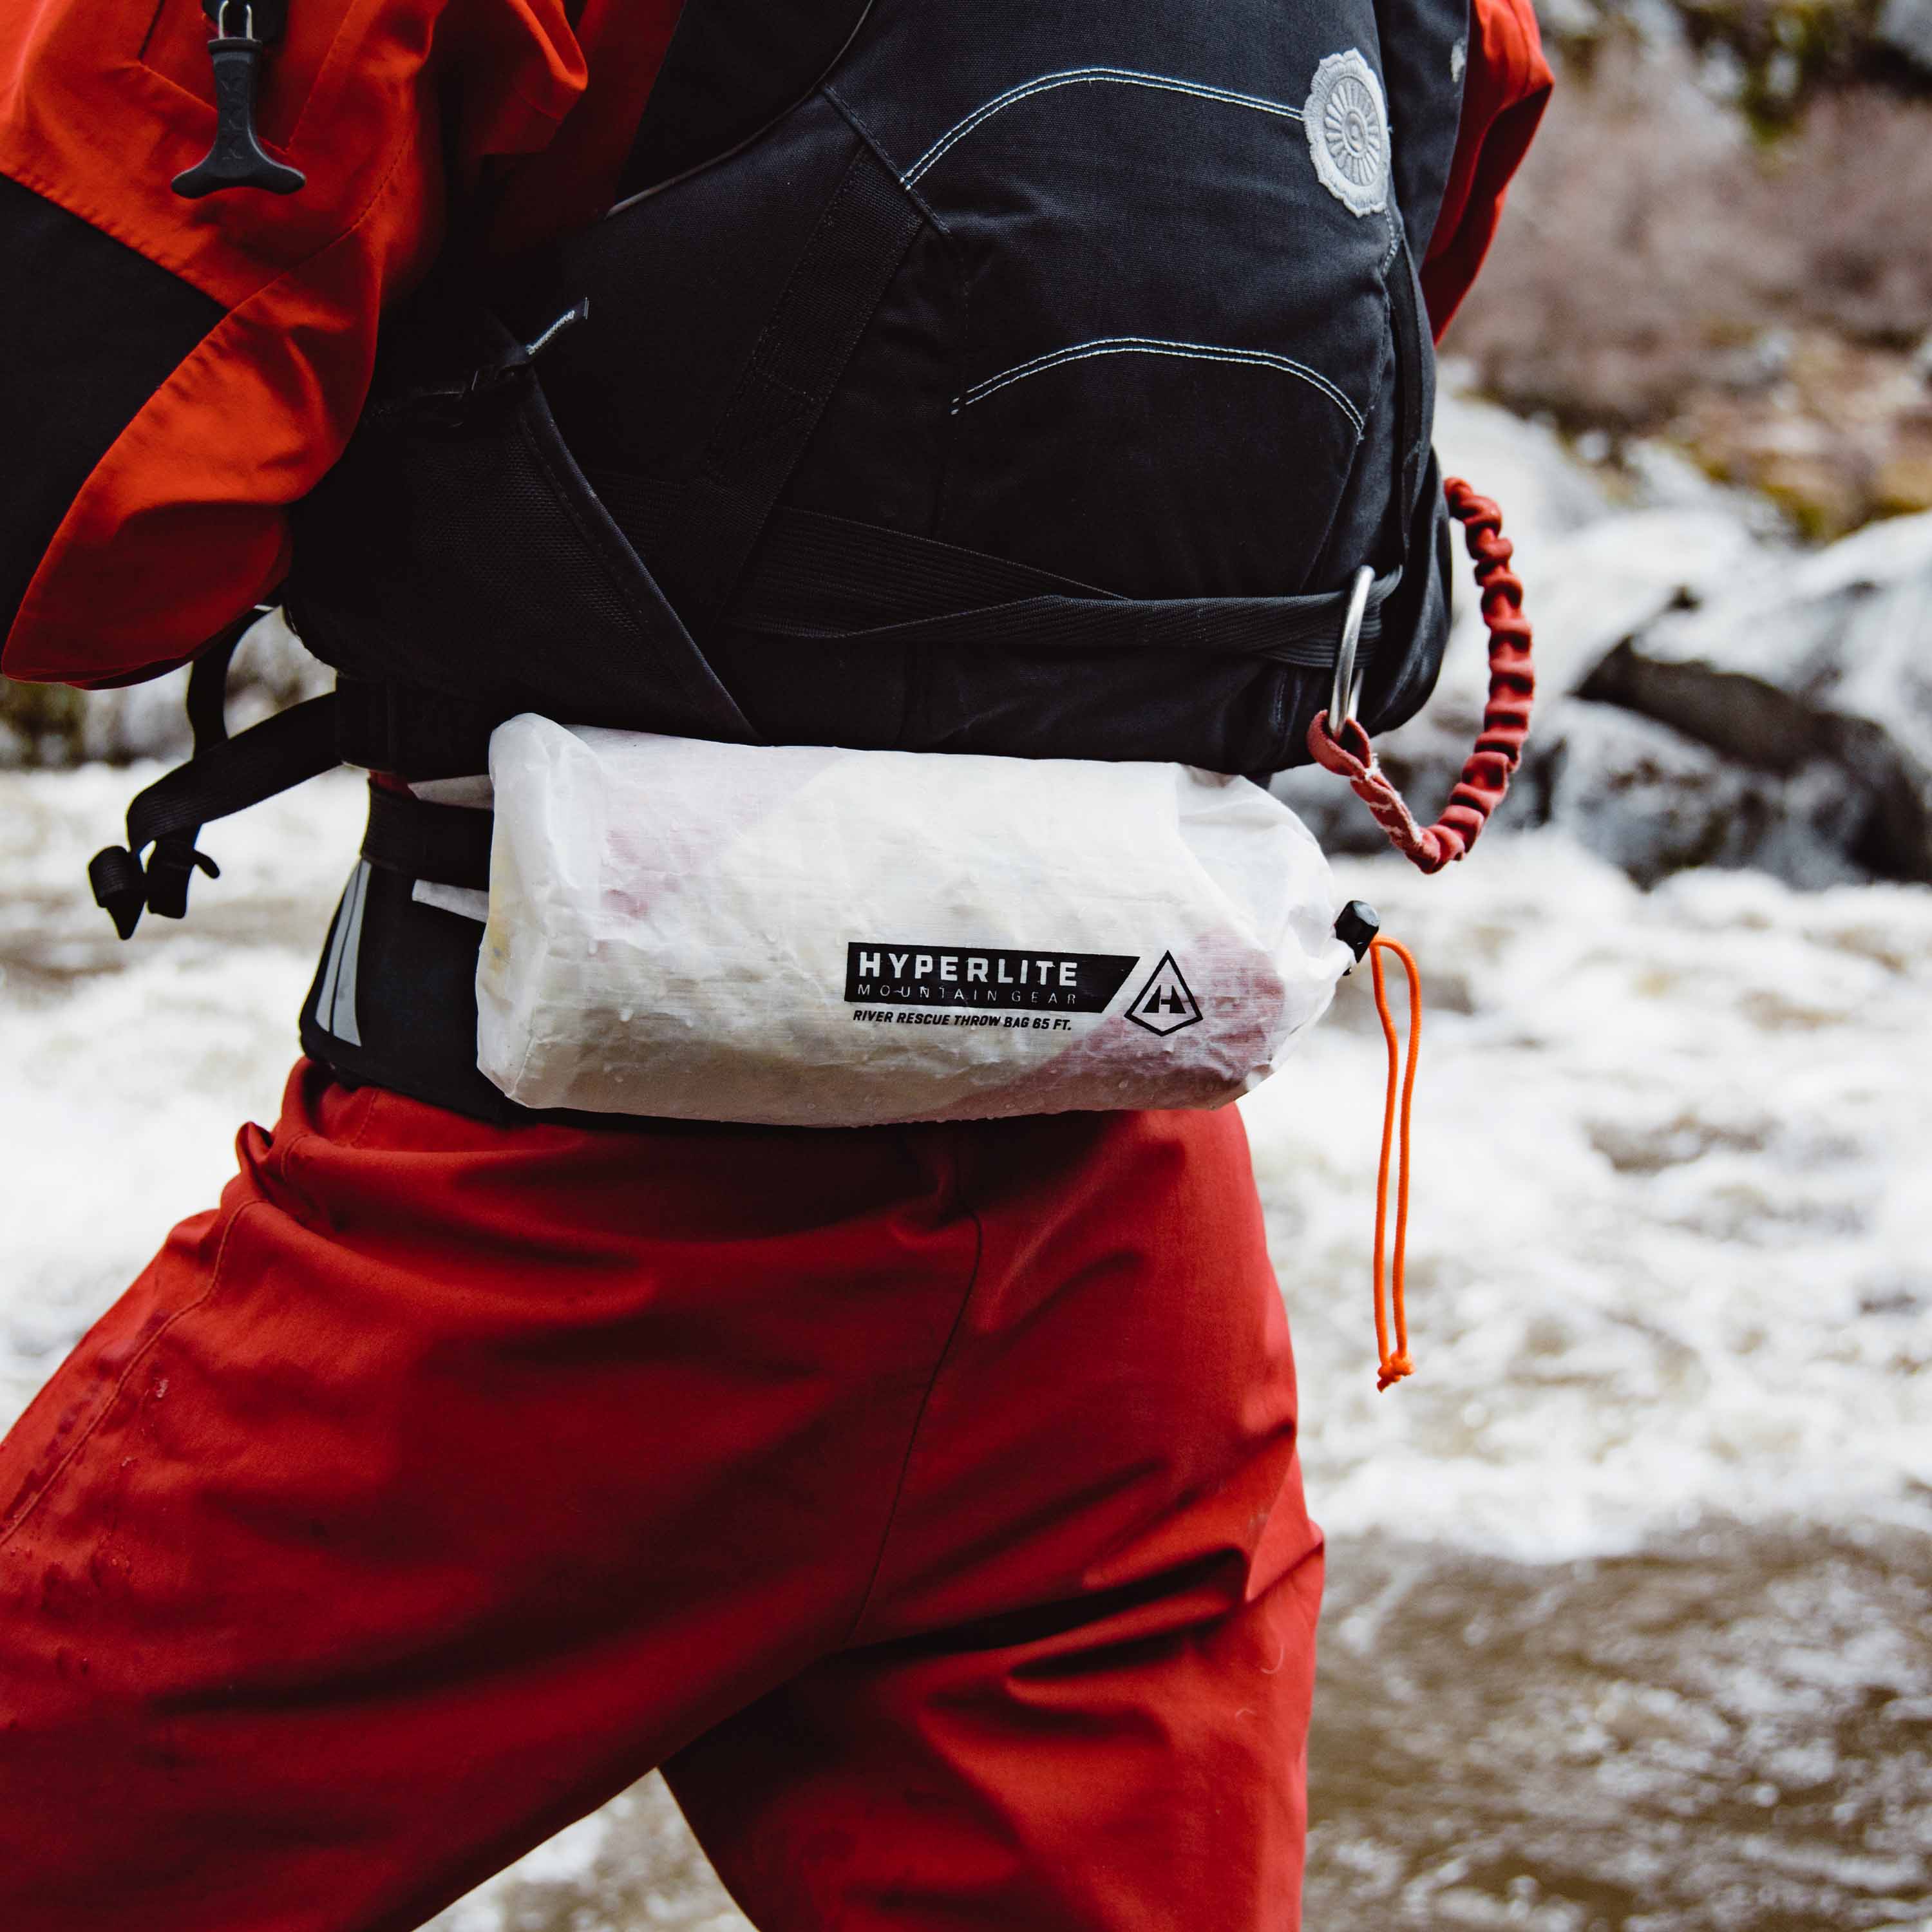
(1345, 692)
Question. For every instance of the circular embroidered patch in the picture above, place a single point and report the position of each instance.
(1346, 120)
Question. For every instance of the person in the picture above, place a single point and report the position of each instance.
(924, 1501)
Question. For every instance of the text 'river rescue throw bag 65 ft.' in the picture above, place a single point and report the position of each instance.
(802, 936)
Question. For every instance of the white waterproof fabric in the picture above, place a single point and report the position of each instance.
(822, 937)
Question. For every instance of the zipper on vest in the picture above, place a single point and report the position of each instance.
(244, 32)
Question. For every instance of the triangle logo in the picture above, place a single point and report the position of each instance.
(1164, 1004)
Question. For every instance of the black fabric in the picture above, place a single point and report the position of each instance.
(1425, 49)
(1286, 630)
(828, 579)
(817, 573)
(1099, 388)
(413, 731)
(1397, 685)
(471, 558)
(1169, 199)
(859, 239)
(89, 330)
(447, 844)
(1414, 377)
(733, 67)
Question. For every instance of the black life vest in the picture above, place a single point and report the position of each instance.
(1035, 384)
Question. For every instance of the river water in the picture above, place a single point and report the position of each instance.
(1627, 1623)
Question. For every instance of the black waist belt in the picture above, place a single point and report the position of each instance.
(444, 845)
(393, 1000)
(393, 1003)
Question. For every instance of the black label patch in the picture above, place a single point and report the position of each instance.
(1164, 1004)
(879, 974)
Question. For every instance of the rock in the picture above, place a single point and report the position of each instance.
(1823, 656)
(1653, 801)
(1905, 26)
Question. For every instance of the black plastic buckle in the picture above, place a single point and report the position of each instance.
(170, 870)
(447, 404)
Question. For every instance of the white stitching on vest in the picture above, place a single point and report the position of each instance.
(1124, 76)
(1148, 345)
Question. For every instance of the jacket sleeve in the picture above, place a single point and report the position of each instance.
(1505, 89)
(177, 372)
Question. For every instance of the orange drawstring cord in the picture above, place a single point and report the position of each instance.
(1389, 1286)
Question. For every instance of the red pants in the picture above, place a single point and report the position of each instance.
(925, 1501)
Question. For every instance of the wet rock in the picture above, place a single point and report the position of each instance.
(1823, 657)
(1905, 27)
(1653, 801)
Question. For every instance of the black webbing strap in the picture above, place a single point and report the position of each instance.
(228, 776)
(854, 253)
(411, 729)
(448, 844)
(175, 861)
(827, 578)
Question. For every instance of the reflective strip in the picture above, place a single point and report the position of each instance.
(335, 998)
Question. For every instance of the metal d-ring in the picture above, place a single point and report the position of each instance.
(1345, 693)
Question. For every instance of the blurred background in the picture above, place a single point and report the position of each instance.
(1628, 1621)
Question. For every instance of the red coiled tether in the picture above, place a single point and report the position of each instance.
(1481, 788)
(1498, 748)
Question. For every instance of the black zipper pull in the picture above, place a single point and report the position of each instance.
(236, 160)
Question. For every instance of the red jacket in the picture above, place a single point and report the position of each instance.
(180, 524)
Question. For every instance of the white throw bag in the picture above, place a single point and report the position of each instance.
(818, 937)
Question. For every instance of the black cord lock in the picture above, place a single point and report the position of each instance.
(1356, 926)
